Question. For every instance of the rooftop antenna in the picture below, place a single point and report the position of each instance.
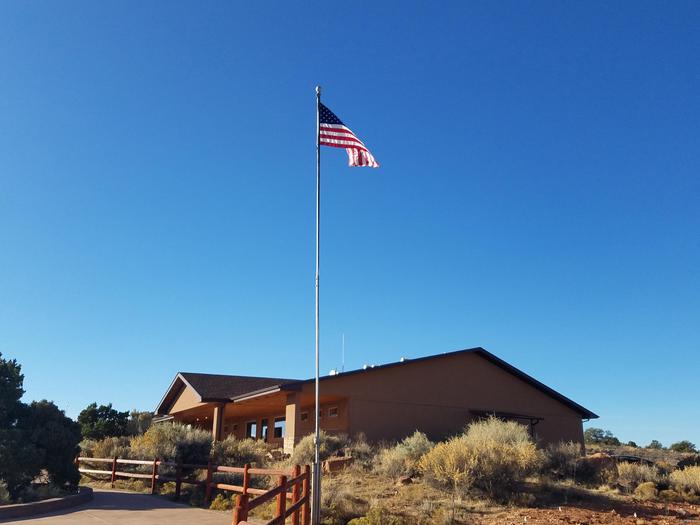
(342, 363)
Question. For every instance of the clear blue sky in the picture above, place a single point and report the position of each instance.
(539, 195)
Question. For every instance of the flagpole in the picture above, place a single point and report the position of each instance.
(316, 484)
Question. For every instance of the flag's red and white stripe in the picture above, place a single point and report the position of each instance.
(339, 136)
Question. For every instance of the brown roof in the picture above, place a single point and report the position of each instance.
(215, 387)
(584, 412)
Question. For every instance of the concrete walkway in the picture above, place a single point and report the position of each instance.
(122, 508)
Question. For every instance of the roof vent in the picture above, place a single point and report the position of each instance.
(364, 367)
(402, 359)
(333, 372)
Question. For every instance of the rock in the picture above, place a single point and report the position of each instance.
(406, 480)
(336, 464)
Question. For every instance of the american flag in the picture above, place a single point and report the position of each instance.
(333, 133)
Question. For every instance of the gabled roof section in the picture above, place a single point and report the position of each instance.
(224, 388)
(216, 387)
(584, 412)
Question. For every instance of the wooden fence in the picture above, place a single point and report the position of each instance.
(294, 485)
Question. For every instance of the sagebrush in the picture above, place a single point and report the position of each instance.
(686, 481)
(329, 444)
(492, 455)
(402, 459)
(631, 475)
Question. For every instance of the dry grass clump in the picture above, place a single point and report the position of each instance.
(646, 491)
(378, 516)
(402, 459)
(363, 453)
(330, 444)
(110, 447)
(492, 455)
(222, 502)
(686, 481)
(340, 505)
(631, 475)
(562, 459)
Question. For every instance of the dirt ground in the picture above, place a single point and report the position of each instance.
(618, 513)
(418, 503)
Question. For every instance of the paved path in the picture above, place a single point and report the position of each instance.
(125, 508)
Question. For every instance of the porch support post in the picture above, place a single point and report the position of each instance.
(292, 418)
(217, 422)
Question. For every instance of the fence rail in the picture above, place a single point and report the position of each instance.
(294, 485)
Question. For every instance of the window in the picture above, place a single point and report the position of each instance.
(280, 425)
(235, 427)
(333, 412)
(304, 416)
(263, 429)
(251, 429)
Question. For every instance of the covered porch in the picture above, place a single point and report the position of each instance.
(278, 417)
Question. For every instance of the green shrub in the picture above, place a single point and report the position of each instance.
(686, 481)
(173, 442)
(492, 455)
(598, 436)
(87, 448)
(237, 452)
(417, 445)
(103, 421)
(330, 444)
(234, 452)
(630, 475)
(110, 447)
(49, 491)
(596, 470)
(402, 459)
(139, 421)
(20, 461)
(562, 459)
(683, 446)
(221, 502)
(646, 491)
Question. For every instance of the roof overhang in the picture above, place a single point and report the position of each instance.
(176, 387)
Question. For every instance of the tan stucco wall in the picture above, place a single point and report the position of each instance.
(436, 395)
(186, 400)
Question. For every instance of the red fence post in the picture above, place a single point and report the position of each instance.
(295, 494)
(240, 511)
(246, 478)
(282, 498)
(178, 479)
(114, 471)
(207, 492)
(154, 474)
(306, 512)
